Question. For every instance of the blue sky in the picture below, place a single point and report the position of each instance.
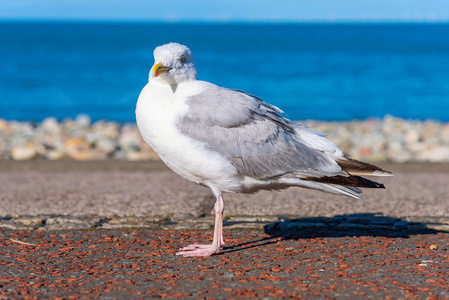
(228, 10)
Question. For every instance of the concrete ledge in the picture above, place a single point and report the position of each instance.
(284, 223)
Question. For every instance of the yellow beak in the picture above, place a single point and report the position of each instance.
(159, 69)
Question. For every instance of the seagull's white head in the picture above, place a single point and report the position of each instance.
(173, 64)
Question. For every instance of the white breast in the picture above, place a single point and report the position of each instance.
(158, 109)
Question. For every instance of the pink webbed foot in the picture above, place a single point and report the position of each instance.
(199, 250)
(217, 244)
(195, 246)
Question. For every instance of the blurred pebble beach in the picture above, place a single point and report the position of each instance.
(375, 140)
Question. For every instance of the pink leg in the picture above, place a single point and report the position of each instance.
(217, 243)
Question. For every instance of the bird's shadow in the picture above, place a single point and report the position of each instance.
(361, 224)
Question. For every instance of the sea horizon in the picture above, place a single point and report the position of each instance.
(234, 21)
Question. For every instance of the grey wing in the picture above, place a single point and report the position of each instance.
(253, 135)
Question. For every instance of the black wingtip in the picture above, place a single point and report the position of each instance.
(356, 181)
(360, 168)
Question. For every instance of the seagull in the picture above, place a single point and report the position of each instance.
(234, 142)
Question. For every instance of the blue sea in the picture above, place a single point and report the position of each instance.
(311, 71)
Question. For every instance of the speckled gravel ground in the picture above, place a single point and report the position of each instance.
(304, 263)
(110, 230)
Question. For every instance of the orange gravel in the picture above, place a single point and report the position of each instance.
(304, 263)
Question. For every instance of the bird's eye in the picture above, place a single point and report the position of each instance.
(182, 60)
